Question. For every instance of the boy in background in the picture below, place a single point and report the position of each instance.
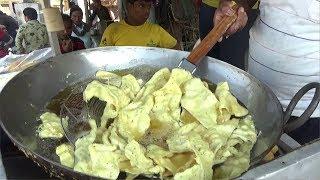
(67, 42)
(134, 30)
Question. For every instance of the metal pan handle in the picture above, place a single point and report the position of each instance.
(292, 125)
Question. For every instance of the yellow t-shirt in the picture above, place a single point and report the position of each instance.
(212, 3)
(215, 3)
(148, 34)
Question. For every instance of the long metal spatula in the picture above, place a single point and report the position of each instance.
(197, 54)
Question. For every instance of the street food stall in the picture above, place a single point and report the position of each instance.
(154, 122)
(292, 159)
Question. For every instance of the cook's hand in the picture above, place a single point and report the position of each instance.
(226, 10)
(67, 45)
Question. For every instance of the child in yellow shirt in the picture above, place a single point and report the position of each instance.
(134, 30)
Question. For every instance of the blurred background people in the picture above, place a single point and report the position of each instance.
(67, 42)
(32, 35)
(80, 30)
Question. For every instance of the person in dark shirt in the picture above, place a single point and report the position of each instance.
(10, 23)
(67, 42)
(101, 11)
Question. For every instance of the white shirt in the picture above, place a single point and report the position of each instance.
(88, 43)
(284, 49)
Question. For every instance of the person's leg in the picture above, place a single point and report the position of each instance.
(307, 132)
(205, 25)
(233, 49)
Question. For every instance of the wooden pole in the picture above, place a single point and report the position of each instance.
(53, 37)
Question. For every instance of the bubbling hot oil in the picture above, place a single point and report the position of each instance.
(155, 134)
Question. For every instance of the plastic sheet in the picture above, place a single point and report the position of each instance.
(16, 63)
(12, 64)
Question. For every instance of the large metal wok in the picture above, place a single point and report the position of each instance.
(23, 99)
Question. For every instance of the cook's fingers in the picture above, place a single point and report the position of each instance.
(228, 11)
(240, 22)
(218, 15)
(242, 16)
(233, 29)
(226, 8)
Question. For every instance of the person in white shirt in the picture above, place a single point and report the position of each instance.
(284, 53)
(81, 30)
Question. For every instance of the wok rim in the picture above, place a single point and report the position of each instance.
(37, 156)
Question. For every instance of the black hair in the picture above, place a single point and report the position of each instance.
(66, 18)
(71, 4)
(30, 13)
(75, 8)
(97, 1)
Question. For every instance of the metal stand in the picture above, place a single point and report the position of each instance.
(301, 163)
(287, 144)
